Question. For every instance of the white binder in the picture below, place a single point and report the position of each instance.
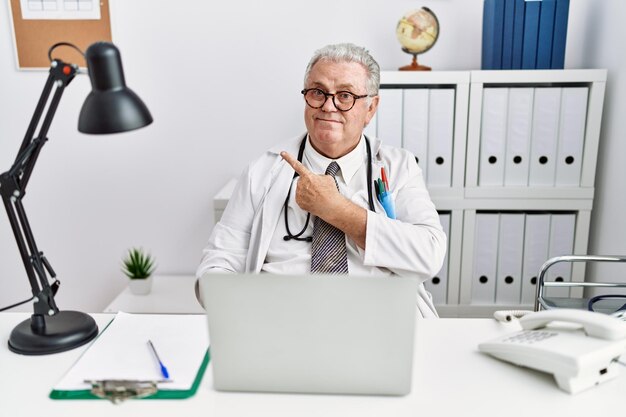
(438, 285)
(510, 253)
(440, 137)
(519, 128)
(536, 245)
(562, 228)
(485, 258)
(493, 136)
(389, 123)
(545, 136)
(571, 136)
(415, 126)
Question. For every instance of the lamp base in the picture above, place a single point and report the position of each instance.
(42, 335)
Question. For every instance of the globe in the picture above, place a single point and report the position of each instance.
(417, 32)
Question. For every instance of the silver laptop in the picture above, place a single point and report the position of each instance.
(333, 334)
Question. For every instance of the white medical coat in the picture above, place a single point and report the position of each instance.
(414, 245)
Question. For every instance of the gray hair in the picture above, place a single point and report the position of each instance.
(348, 52)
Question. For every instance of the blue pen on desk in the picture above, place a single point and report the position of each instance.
(164, 372)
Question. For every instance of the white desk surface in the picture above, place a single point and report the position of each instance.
(450, 378)
(170, 294)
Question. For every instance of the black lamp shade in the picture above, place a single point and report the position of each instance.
(111, 107)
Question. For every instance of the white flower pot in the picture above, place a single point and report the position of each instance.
(140, 286)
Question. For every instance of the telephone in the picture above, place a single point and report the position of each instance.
(579, 347)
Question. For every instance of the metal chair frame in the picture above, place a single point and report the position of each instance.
(541, 302)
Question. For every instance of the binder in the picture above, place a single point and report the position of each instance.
(519, 130)
(121, 353)
(438, 285)
(562, 228)
(571, 136)
(493, 137)
(531, 34)
(518, 34)
(560, 34)
(507, 34)
(510, 253)
(485, 258)
(546, 30)
(545, 133)
(415, 126)
(536, 249)
(493, 19)
(440, 137)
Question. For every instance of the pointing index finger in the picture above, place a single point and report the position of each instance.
(295, 164)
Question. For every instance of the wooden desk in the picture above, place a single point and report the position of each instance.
(451, 378)
(171, 294)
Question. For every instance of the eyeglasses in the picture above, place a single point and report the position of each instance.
(608, 303)
(343, 100)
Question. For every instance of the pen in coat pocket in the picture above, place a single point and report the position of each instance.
(384, 196)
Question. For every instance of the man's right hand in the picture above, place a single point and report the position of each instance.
(315, 193)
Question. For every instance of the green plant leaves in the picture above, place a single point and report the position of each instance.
(137, 264)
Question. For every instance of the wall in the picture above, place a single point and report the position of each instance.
(222, 82)
(606, 21)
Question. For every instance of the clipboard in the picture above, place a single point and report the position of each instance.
(119, 365)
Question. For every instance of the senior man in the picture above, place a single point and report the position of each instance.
(310, 204)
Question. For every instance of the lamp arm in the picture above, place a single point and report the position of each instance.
(111, 107)
(34, 121)
(13, 185)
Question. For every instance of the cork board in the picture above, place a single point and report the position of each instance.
(33, 38)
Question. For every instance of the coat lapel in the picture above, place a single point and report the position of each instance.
(264, 224)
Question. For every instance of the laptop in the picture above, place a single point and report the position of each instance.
(324, 334)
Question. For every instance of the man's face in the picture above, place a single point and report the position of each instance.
(335, 133)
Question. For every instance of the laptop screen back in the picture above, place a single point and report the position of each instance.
(311, 334)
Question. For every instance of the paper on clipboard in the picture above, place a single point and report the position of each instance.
(122, 352)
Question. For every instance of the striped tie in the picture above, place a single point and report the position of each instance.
(328, 250)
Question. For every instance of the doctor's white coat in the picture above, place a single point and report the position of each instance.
(412, 246)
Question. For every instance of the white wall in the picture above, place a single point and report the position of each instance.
(605, 21)
(222, 82)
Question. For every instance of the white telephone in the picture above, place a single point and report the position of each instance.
(579, 347)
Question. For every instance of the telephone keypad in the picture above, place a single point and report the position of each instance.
(530, 336)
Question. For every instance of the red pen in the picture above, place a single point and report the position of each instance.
(384, 177)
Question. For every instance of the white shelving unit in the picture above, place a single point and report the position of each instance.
(465, 197)
(447, 199)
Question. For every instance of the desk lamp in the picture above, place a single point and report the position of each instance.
(111, 107)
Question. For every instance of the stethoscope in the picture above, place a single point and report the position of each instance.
(289, 235)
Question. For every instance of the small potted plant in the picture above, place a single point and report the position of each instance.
(139, 266)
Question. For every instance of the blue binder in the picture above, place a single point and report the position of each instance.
(546, 31)
(507, 34)
(560, 34)
(493, 20)
(531, 33)
(518, 34)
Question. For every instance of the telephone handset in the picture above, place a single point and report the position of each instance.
(579, 347)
